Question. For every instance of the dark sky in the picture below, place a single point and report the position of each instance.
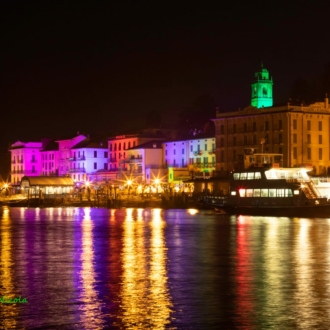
(95, 66)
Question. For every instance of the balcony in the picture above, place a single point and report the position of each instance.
(211, 152)
(77, 170)
(77, 158)
(25, 172)
(198, 152)
(132, 159)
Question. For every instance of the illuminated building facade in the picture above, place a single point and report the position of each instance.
(25, 160)
(144, 162)
(196, 156)
(118, 146)
(87, 157)
(301, 133)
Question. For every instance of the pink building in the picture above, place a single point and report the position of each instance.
(25, 160)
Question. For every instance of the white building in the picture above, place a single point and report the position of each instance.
(145, 162)
(86, 158)
(194, 157)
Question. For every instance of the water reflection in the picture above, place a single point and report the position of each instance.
(91, 317)
(8, 312)
(145, 301)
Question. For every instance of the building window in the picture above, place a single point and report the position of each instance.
(182, 151)
(266, 126)
(222, 129)
(294, 152)
(110, 147)
(191, 148)
(294, 138)
(280, 124)
(105, 166)
(280, 150)
(308, 138)
(129, 145)
(320, 153)
(280, 138)
(234, 128)
(222, 156)
(320, 126)
(254, 126)
(308, 125)
(95, 166)
(245, 127)
(222, 142)
(174, 152)
(182, 163)
(205, 147)
(294, 123)
(309, 154)
(115, 147)
(245, 140)
(95, 153)
(105, 154)
(320, 139)
(124, 145)
(234, 141)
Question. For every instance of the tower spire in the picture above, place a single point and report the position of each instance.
(262, 89)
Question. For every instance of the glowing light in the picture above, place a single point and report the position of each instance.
(192, 211)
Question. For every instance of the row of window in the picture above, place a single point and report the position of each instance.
(265, 127)
(309, 153)
(247, 176)
(266, 192)
(45, 156)
(114, 146)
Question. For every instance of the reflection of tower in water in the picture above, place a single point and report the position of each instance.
(145, 299)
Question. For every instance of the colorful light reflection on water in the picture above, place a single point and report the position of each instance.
(155, 269)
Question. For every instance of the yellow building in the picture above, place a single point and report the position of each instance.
(300, 133)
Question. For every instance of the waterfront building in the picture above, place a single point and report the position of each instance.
(25, 160)
(49, 159)
(64, 150)
(144, 163)
(193, 157)
(87, 157)
(300, 132)
(118, 146)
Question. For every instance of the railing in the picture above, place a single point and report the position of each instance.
(198, 152)
(25, 172)
(77, 158)
(77, 170)
(211, 152)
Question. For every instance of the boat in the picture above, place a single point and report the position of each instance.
(266, 188)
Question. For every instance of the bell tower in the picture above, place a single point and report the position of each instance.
(262, 89)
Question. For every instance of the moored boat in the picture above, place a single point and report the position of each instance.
(268, 189)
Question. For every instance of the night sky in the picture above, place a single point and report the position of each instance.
(96, 67)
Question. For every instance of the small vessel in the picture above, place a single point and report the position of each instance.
(266, 188)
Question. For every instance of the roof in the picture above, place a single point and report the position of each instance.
(90, 144)
(154, 144)
(47, 181)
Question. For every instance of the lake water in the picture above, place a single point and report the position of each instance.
(90, 268)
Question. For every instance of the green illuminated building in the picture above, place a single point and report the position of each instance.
(262, 89)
